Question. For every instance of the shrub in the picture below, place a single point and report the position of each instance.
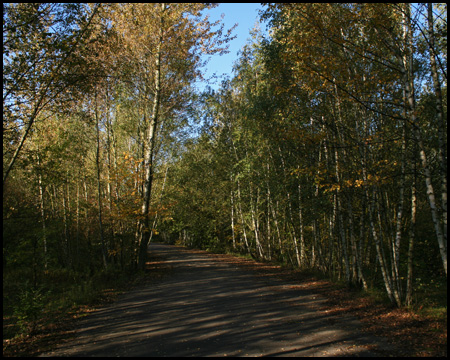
(30, 307)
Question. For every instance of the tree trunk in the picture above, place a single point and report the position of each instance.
(99, 189)
(77, 229)
(255, 223)
(247, 246)
(144, 222)
(412, 235)
(302, 235)
(442, 154)
(409, 89)
(269, 234)
(41, 201)
(232, 218)
(66, 245)
(155, 220)
(380, 254)
(398, 230)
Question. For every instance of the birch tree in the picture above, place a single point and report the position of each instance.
(165, 42)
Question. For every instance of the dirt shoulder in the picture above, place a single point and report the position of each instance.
(410, 333)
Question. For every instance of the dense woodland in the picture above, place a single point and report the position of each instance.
(326, 150)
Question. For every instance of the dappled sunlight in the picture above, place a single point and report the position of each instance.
(210, 308)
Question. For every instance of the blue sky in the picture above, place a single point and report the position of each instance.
(245, 14)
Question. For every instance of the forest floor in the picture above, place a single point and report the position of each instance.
(197, 303)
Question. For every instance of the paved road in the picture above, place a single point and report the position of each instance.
(207, 307)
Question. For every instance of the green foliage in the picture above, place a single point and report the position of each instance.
(30, 307)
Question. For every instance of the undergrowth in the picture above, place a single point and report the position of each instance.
(28, 308)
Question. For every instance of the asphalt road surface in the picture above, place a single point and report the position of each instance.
(207, 307)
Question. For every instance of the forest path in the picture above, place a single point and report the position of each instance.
(209, 307)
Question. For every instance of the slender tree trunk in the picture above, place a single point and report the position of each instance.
(155, 220)
(41, 201)
(398, 230)
(269, 234)
(343, 237)
(409, 88)
(357, 261)
(232, 217)
(77, 235)
(87, 228)
(99, 190)
(339, 206)
(331, 247)
(255, 224)
(380, 254)
(239, 202)
(294, 235)
(66, 230)
(275, 219)
(316, 249)
(274, 212)
(109, 173)
(144, 223)
(302, 235)
(412, 235)
(389, 236)
(291, 217)
(247, 246)
(442, 154)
